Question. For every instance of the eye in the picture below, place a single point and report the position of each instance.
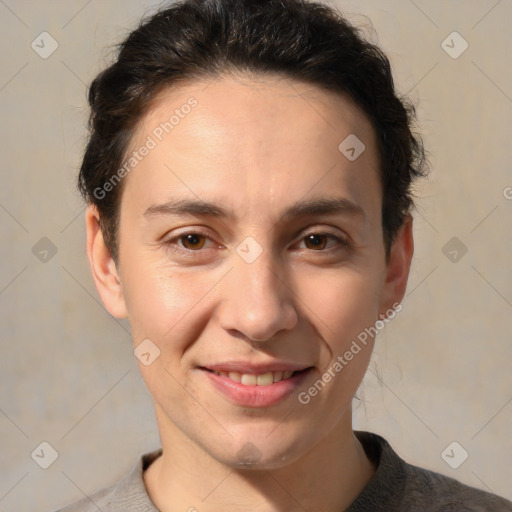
(190, 241)
(194, 241)
(319, 241)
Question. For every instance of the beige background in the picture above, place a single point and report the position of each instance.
(68, 373)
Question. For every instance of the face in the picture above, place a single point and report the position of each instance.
(251, 258)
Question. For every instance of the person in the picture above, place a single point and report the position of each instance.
(248, 178)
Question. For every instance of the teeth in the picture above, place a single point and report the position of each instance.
(237, 377)
(265, 380)
(278, 376)
(250, 379)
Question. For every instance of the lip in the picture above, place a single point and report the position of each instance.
(255, 396)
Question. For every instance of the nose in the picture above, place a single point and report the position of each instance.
(257, 302)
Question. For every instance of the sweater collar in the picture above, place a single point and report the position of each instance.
(386, 485)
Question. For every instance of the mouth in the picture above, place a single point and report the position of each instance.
(253, 379)
(250, 387)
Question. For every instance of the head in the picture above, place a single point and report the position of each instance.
(248, 176)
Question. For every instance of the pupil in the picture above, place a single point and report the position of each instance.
(317, 240)
(194, 239)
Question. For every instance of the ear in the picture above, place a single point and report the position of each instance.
(397, 273)
(104, 270)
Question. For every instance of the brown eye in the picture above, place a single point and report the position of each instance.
(193, 241)
(323, 242)
(316, 241)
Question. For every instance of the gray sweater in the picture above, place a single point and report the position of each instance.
(396, 486)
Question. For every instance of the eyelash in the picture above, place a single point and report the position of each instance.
(171, 243)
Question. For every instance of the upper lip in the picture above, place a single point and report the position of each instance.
(255, 368)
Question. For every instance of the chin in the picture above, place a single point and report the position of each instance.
(259, 452)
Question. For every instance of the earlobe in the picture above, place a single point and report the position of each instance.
(103, 268)
(398, 267)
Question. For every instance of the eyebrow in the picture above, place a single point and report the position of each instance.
(302, 208)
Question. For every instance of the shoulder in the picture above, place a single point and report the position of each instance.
(398, 486)
(443, 493)
(127, 495)
(91, 503)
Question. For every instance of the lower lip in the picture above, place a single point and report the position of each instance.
(256, 396)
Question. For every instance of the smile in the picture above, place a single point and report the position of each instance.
(250, 379)
(264, 389)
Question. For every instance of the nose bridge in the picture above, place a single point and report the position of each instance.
(256, 300)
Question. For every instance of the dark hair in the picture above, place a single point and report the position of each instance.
(197, 39)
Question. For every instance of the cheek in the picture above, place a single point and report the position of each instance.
(164, 305)
(346, 305)
(345, 302)
(159, 299)
(171, 307)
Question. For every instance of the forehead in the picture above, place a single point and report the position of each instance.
(236, 138)
(264, 104)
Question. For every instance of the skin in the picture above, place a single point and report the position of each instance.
(256, 146)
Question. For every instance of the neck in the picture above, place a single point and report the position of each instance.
(329, 477)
